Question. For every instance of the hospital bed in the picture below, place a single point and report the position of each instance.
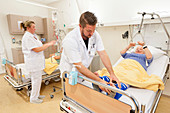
(82, 99)
(18, 77)
(79, 98)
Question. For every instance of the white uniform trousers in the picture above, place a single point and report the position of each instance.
(36, 79)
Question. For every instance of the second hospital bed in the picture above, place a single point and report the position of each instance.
(80, 98)
(18, 77)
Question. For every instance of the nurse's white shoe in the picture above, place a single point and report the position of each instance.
(41, 96)
(38, 101)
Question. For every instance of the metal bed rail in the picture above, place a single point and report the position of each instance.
(132, 98)
(159, 92)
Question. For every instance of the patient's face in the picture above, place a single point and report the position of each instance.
(139, 50)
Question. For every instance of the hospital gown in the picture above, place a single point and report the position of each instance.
(141, 58)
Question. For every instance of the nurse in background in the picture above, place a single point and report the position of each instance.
(80, 46)
(34, 59)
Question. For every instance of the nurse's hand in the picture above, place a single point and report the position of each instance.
(104, 89)
(114, 78)
(52, 42)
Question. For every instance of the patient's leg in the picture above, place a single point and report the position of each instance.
(112, 94)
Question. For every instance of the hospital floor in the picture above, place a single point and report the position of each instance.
(12, 101)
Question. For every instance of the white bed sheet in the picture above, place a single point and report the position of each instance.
(144, 96)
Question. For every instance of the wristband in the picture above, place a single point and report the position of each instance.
(145, 47)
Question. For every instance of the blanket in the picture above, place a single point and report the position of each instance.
(50, 65)
(131, 72)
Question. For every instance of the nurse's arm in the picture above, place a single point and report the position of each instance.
(83, 70)
(106, 61)
(45, 46)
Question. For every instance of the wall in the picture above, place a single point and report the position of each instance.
(114, 11)
(111, 35)
(116, 16)
(14, 7)
(111, 12)
(113, 41)
(68, 12)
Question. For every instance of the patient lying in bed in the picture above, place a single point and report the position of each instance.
(132, 70)
(141, 54)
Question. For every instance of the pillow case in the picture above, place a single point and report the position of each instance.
(156, 53)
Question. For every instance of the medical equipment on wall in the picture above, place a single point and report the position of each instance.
(13, 40)
(141, 26)
(43, 40)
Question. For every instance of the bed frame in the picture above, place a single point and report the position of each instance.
(88, 100)
(14, 76)
(81, 98)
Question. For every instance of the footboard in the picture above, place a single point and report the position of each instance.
(13, 72)
(13, 75)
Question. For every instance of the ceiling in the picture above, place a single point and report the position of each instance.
(45, 2)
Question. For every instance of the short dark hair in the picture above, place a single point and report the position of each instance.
(87, 18)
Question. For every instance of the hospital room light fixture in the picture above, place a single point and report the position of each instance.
(36, 4)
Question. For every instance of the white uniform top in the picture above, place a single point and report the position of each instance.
(74, 49)
(34, 61)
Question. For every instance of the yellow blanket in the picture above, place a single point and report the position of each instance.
(50, 66)
(131, 72)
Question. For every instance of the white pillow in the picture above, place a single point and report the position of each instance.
(156, 53)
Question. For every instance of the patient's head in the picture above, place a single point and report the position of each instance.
(139, 50)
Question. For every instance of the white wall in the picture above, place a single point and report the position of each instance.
(112, 11)
(68, 12)
(14, 7)
(112, 40)
(118, 13)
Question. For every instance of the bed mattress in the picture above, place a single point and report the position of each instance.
(144, 96)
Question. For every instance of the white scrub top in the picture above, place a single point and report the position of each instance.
(74, 49)
(34, 61)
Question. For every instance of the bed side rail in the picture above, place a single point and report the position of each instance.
(12, 71)
(135, 102)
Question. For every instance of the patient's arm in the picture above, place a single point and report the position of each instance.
(52, 54)
(147, 52)
(127, 48)
(55, 57)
